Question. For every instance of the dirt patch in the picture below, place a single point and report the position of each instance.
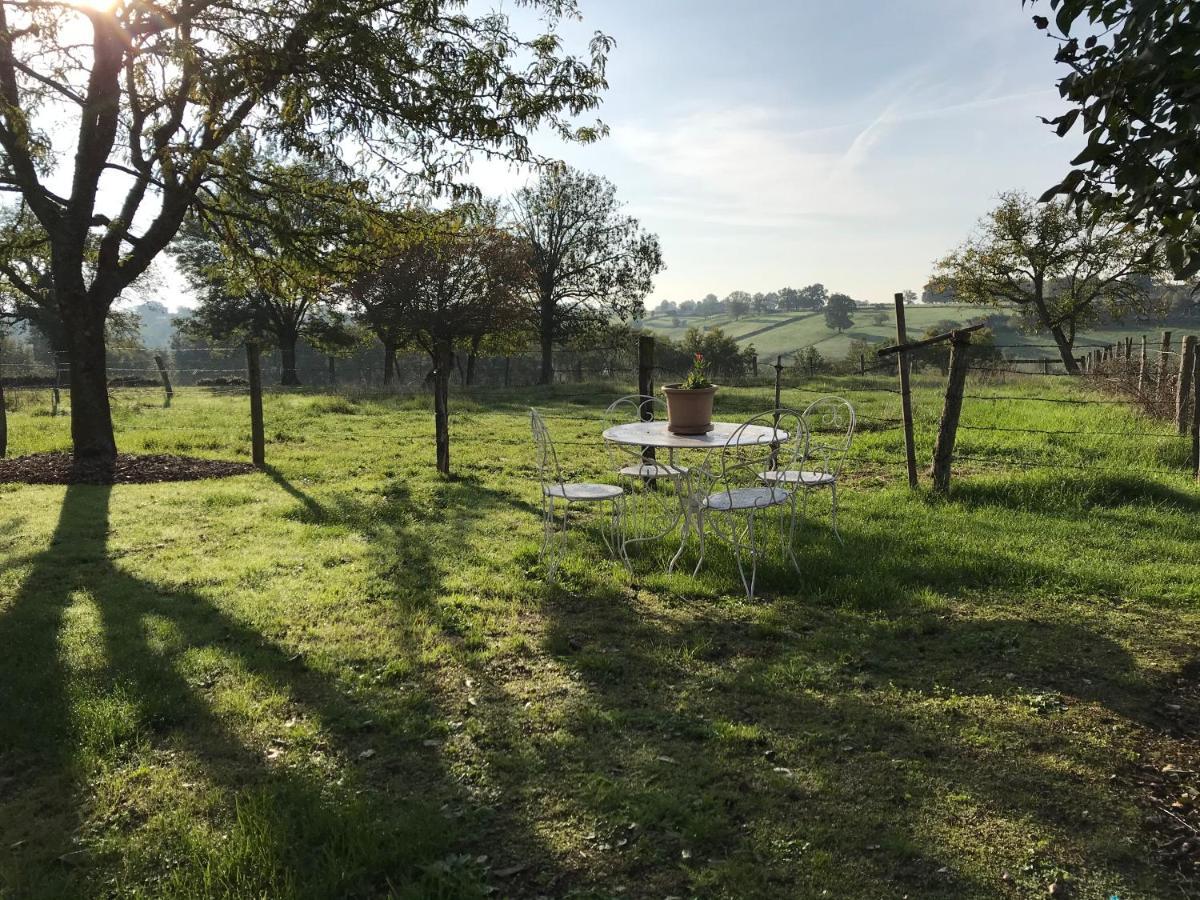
(61, 468)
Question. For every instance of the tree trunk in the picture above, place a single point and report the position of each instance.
(443, 360)
(91, 416)
(1065, 349)
(472, 355)
(547, 337)
(389, 362)
(287, 354)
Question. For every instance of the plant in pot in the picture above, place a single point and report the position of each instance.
(690, 402)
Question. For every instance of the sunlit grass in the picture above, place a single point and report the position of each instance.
(345, 677)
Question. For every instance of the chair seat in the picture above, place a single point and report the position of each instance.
(795, 476)
(584, 491)
(746, 498)
(654, 470)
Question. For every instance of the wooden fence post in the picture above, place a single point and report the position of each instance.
(778, 367)
(646, 365)
(3, 408)
(646, 388)
(1141, 382)
(943, 450)
(1163, 352)
(754, 365)
(1187, 348)
(55, 399)
(910, 449)
(1196, 416)
(254, 376)
(862, 364)
(1046, 366)
(166, 378)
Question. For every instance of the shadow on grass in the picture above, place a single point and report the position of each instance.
(1069, 494)
(283, 826)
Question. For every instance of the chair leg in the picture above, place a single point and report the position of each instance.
(700, 532)
(685, 531)
(790, 540)
(619, 512)
(737, 555)
(833, 516)
(558, 537)
(547, 523)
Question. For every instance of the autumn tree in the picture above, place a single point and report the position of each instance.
(1058, 268)
(148, 96)
(1131, 87)
(588, 259)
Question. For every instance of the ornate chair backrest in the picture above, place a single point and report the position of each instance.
(743, 461)
(634, 408)
(549, 472)
(831, 424)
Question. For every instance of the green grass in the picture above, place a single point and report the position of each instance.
(344, 676)
(773, 334)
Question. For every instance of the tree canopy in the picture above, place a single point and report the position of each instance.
(1134, 94)
(1059, 268)
(839, 309)
(152, 99)
(588, 258)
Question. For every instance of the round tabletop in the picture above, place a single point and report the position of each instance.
(655, 434)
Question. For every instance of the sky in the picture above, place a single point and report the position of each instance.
(781, 142)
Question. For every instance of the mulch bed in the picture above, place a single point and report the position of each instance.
(60, 468)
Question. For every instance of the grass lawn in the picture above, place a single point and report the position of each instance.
(344, 676)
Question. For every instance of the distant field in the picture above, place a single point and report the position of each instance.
(773, 334)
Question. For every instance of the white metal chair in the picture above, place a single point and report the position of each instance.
(554, 489)
(650, 511)
(831, 423)
(736, 491)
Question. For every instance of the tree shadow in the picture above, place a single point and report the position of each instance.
(706, 729)
(352, 802)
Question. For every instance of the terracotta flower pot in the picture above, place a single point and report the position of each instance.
(689, 411)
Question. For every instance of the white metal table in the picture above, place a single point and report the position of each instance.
(655, 434)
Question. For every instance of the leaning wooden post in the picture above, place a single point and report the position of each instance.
(1142, 360)
(778, 367)
(1187, 352)
(910, 448)
(943, 450)
(254, 376)
(1163, 352)
(166, 378)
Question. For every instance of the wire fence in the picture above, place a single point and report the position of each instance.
(995, 435)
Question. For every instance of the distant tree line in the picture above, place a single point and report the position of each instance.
(811, 298)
